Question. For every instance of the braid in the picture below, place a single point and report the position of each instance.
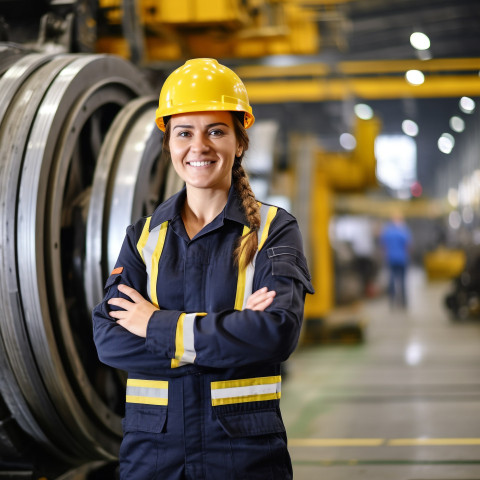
(249, 242)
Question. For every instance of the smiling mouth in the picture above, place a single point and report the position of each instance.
(199, 164)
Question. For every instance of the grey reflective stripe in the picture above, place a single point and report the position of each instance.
(189, 353)
(250, 270)
(147, 392)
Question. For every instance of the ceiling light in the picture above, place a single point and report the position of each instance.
(467, 214)
(467, 105)
(415, 77)
(446, 143)
(410, 128)
(348, 141)
(455, 220)
(363, 111)
(453, 197)
(457, 124)
(419, 41)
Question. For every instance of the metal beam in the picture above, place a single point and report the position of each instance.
(373, 88)
(365, 67)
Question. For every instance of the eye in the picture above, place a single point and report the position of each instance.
(183, 133)
(217, 132)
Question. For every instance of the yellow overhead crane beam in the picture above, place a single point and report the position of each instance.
(372, 88)
(381, 79)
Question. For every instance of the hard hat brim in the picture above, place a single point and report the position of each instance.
(249, 119)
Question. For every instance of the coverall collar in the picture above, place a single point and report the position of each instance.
(171, 210)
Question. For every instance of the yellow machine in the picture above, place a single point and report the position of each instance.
(444, 264)
(335, 172)
(162, 30)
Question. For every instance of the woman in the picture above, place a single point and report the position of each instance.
(201, 350)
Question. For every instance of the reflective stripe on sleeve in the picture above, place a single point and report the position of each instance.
(246, 274)
(185, 340)
(246, 390)
(147, 392)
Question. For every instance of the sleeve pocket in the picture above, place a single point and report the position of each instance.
(112, 280)
(145, 420)
(289, 262)
(249, 424)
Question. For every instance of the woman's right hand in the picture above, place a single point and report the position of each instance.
(261, 299)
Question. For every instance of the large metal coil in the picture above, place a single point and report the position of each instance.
(79, 161)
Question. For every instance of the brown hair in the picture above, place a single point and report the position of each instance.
(247, 243)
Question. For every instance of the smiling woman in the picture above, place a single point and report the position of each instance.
(205, 301)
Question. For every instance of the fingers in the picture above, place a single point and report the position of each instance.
(120, 302)
(260, 299)
(130, 292)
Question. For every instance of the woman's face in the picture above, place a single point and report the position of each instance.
(203, 147)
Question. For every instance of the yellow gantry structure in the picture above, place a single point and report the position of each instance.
(332, 173)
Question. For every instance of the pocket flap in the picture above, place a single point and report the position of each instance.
(112, 279)
(289, 262)
(249, 424)
(145, 419)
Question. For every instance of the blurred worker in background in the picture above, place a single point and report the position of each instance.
(396, 241)
(205, 301)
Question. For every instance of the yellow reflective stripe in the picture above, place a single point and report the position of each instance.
(147, 400)
(182, 337)
(242, 275)
(143, 238)
(134, 382)
(272, 211)
(247, 398)
(155, 259)
(179, 348)
(246, 382)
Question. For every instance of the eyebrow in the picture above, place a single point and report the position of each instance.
(208, 126)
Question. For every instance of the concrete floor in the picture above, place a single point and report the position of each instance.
(404, 405)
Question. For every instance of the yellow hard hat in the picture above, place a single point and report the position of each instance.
(202, 84)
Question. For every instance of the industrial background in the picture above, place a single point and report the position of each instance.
(355, 117)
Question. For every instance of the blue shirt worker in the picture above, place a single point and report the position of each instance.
(396, 241)
(205, 302)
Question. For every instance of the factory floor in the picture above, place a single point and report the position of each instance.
(403, 405)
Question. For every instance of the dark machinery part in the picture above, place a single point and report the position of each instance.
(72, 129)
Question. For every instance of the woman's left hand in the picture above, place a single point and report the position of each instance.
(135, 314)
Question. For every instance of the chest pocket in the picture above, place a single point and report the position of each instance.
(246, 273)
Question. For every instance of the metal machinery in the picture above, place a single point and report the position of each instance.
(78, 161)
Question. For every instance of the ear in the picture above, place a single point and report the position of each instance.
(239, 151)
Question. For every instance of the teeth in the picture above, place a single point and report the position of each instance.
(199, 164)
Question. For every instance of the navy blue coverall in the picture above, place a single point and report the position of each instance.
(203, 389)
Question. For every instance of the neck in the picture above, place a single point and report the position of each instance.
(201, 207)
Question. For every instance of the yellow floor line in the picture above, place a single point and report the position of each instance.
(376, 442)
(396, 442)
(335, 442)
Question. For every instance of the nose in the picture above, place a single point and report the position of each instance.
(200, 143)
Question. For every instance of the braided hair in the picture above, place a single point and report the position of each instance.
(247, 244)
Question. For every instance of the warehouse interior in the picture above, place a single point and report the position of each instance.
(363, 108)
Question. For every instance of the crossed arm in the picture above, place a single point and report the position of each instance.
(136, 313)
